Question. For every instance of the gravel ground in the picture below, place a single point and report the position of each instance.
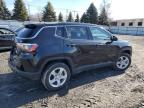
(100, 88)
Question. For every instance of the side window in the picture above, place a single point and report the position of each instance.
(99, 34)
(60, 31)
(48, 31)
(77, 32)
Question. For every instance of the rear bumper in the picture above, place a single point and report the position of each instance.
(29, 75)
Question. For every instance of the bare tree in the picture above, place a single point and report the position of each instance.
(104, 16)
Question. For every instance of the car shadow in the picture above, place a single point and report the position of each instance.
(16, 91)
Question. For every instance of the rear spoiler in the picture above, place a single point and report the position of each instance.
(30, 26)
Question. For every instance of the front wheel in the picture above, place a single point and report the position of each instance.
(123, 62)
(56, 76)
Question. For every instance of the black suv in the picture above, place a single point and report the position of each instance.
(53, 52)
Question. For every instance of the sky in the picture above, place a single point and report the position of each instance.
(119, 9)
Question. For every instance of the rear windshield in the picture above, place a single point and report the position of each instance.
(25, 33)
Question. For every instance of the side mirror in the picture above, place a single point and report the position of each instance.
(114, 38)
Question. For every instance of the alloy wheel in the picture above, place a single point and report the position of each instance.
(122, 62)
(58, 77)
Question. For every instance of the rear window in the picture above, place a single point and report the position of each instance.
(25, 33)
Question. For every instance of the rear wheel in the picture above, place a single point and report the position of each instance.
(123, 62)
(56, 76)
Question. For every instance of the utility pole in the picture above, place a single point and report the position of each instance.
(29, 11)
(38, 14)
(67, 11)
(75, 13)
(28, 7)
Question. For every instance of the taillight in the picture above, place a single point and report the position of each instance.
(27, 47)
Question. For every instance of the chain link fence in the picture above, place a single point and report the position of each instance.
(137, 31)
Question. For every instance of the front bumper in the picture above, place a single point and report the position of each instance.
(29, 75)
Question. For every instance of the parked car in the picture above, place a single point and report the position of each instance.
(6, 39)
(55, 51)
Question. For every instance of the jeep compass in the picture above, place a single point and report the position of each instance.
(52, 52)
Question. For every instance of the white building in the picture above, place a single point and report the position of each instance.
(139, 22)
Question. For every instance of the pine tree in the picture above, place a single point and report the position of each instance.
(49, 14)
(103, 18)
(7, 14)
(60, 17)
(77, 18)
(84, 18)
(20, 11)
(92, 14)
(70, 17)
(4, 12)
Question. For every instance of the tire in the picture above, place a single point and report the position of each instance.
(118, 65)
(56, 76)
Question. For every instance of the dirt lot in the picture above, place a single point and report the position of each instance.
(102, 88)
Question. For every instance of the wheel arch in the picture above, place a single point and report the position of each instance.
(127, 50)
(64, 60)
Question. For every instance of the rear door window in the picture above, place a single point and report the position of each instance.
(47, 32)
(77, 32)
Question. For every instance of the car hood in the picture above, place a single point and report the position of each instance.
(122, 43)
